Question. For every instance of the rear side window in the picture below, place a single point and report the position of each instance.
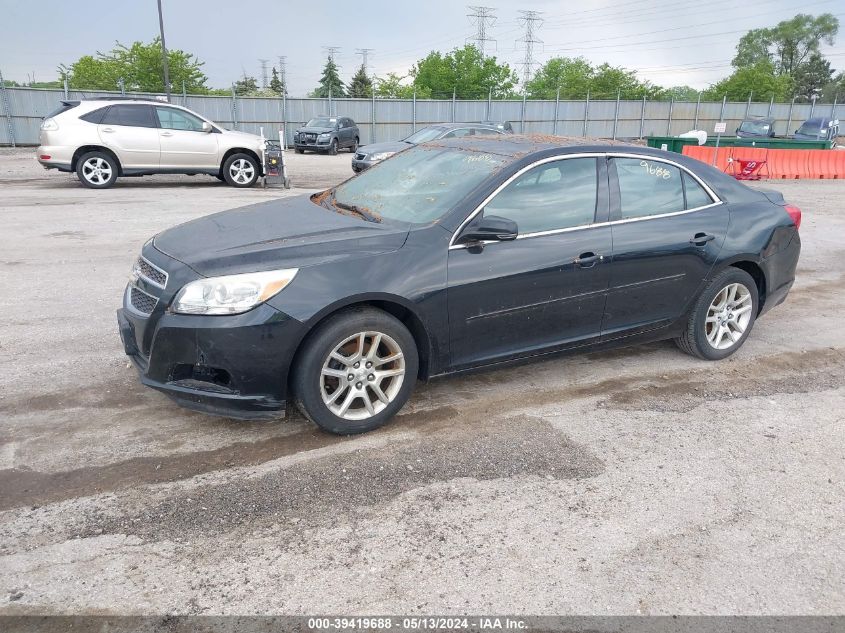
(695, 194)
(129, 115)
(95, 116)
(66, 105)
(648, 187)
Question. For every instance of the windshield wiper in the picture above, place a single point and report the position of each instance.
(367, 215)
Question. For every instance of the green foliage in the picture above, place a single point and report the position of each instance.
(835, 89)
(330, 83)
(361, 86)
(464, 71)
(246, 86)
(277, 86)
(391, 87)
(787, 45)
(812, 76)
(575, 76)
(759, 80)
(682, 93)
(141, 67)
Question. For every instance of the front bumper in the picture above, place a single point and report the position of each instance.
(314, 146)
(360, 165)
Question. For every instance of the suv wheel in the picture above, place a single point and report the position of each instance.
(97, 170)
(240, 170)
(354, 147)
(356, 371)
(333, 148)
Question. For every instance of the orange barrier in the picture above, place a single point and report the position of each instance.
(780, 163)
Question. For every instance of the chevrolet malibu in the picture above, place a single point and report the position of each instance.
(453, 256)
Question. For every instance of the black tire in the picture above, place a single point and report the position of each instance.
(251, 176)
(300, 151)
(694, 341)
(354, 147)
(307, 382)
(333, 147)
(220, 177)
(97, 166)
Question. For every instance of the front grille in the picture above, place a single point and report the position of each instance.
(141, 301)
(360, 156)
(150, 272)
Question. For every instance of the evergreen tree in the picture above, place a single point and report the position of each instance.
(361, 86)
(276, 84)
(330, 83)
(246, 86)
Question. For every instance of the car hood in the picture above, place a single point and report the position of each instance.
(316, 130)
(394, 146)
(289, 233)
(244, 136)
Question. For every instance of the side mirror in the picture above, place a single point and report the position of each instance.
(206, 127)
(487, 228)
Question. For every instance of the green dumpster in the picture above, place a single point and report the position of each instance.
(676, 144)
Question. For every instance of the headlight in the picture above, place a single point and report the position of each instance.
(381, 155)
(49, 125)
(325, 137)
(231, 294)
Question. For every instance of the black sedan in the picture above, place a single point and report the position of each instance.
(453, 256)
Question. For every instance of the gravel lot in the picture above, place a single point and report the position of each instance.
(625, 482)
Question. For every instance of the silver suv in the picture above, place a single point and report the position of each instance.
(101, 139)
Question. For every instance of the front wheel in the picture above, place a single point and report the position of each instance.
(356, 371)
(333, 148)
(723, 316)
(354, 147)
(97, 170)
(240, 170)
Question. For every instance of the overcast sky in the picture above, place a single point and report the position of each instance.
(669, 43)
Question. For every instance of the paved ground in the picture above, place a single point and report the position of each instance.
(633, 481)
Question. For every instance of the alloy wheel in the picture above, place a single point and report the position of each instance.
(96, 170)
(242, 171)
(362, 375)
(728, 316)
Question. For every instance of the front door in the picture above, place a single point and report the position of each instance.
(667, 234)
(183, 141)
(545, 290)
(129, 130)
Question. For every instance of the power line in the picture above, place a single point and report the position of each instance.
(482, 17)
(331, 51)
(532, 21)
(264, 63)
(364, 53)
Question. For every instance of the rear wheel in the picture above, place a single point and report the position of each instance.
(97, 170)
(300, 151)
(240, 170)
(723, 316)
(356, 371)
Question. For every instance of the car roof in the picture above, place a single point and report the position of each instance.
(519, 145)
(457, 125)
(818, 119)
(759, 119)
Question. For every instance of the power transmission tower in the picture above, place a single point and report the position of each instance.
(282, 67)
(482, 17)
(364, 53)
(331, 51)
(264, 78)
(532, 21)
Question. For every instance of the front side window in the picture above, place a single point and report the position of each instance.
(419, 184)
(170, 119)
(423, 135)
(648, 187)
(556, 195)
(129, 115)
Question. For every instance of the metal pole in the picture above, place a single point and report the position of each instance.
(522, 116)
(722, 111)
(697, 107)
(453, 104)
(373, 113)
(234, 109)
(4, 99)
(748, 103)
(414, 113)
(789, 118)
(489, 99)
(330, 100)
(164, 58)
(771, 105)
(64, 83)
(642, 117)
(833, 107)
(616, 114)
(184, 94)
(586, 111)
(557, 111)
(284, 138)
(122, 85)
(669, 124)
(812, 108)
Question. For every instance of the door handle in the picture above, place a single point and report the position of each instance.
(166, 134)
(107, 129)
(588, 260)
(700, 239)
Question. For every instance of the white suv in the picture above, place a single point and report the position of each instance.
(101, 139)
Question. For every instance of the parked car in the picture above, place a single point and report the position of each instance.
(374, 153)
(327, 134)
(451, 256)
(502, 126)
(756, 127)
(101, 139)
(818, 129)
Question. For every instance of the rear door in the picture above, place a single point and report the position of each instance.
(129, 130)
(184, 144)
(668, 230)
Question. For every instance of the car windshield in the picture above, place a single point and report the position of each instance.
(418, 185)
(425, 134)
(810, 127)
(755, 127)
(321, 121)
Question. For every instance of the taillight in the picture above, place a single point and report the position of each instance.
(794, 213)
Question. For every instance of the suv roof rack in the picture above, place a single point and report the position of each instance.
(162, 100)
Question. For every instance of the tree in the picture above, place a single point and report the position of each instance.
(788, 44)
(277, 86)
(140, 65)
(391, 87)
(760, 79)
(361, 86)
(812, 76)
(575, 76)
(835, 89)
(464, 71)
(246, 86)
(330, 83)
(682, 93)
(608, 81)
